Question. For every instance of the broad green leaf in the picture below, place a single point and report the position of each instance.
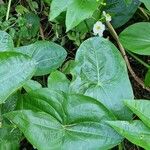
(31, 85)
(141, 108)
(147, 79)
(82, 126)
(58, 81)
(136, 38)
(135, 131)
(6, 42)
(146, 3)
(43, 100)
(15, 70)
(101, 73)
(57, 7)
(48, 55)
(80, 10)
(9, 138)
(121, 11)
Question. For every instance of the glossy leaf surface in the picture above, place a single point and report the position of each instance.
(57, 7)
(135, 131)
(101, 73)
(48, 55)
(121, 11)
(141, 108)
(15, 70)
(136, 38)
(58, 81)
(31, 85)
(81, 124)
(80, 10)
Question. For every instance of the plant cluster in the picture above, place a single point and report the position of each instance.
(59, 100)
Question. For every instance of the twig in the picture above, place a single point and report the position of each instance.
(42, 34)
(139, 60)
(1, 2)
(123, 52)
(8, 10)
(144, 13)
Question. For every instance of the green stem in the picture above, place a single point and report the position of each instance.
(8, 10)
(139, 60)
(120, 146)
(87, 26)
(18, 41)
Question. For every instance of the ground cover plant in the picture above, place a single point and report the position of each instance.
(74, 74)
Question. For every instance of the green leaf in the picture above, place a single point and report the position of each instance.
(31, 85)
(58, 81)
(15, 70)
(43, 100)
(141, 108)
(101, 73)
(6, 42)
(10, 103)
(67, 67)
(135, 131)
(80, 10)
(146, 3)
(147, 79)
(48, 55)
(57, 7)
(82, 124)
(136, 38)
(9, 138)
(121, 11)
(32, 24)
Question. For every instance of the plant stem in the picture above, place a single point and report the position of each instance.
(139, 60)
(8, 10)
(120, 146)
(144, 13)
(123, 52)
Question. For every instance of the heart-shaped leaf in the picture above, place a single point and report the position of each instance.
(101, 73)
(48, 55)
(82, 122)
(15, 70)
(77, 10)
(135, 40)
(135, 131)
(80, 10)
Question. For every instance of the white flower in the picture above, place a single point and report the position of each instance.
(99, 28)
(107, 16)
